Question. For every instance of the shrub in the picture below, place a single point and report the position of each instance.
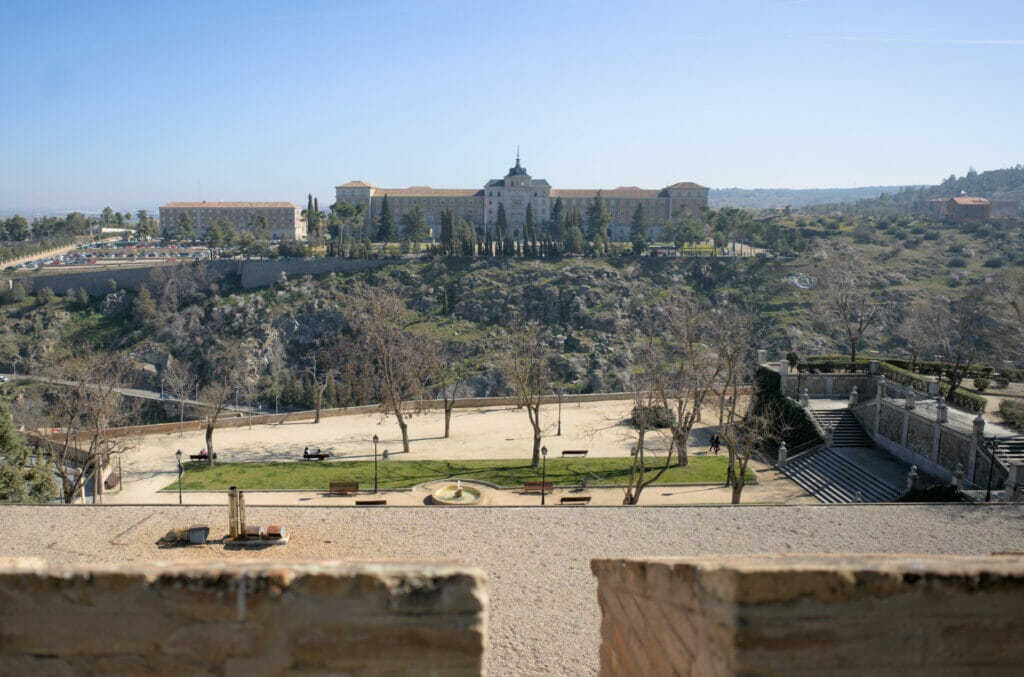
(1013, 412)
(980, 384)
(44, 296)
(792, 358)
(956, 262)
(658, 416)
(17, 293)
(994, 262)
(931, 235)
(1001, 382)
(937, 493)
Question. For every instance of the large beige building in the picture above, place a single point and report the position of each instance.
(284, 219)
(517, 190)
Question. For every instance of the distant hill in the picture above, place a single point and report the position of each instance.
(995, 184)
(768, 198)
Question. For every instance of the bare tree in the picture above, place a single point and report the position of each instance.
(846, 298)
(525, 365)
(954, 331)
(225, 371)
(1008, 296)
(181, 380)
(86, 416)
(394, 361)
(647, 385)
(450, 375)
(690, 369)
(320, 374)
(733, 330)
(914, 330)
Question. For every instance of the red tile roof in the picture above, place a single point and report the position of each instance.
(230, 205)
(357, 184)
(970, 201)
(631, 192)
(688, 184)
(427, 191)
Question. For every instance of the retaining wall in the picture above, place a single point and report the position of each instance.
(811, 615)
(252, 618)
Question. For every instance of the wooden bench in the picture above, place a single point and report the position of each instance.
(371, 501)
(318, 456)
(345, 488)
(576, 499)
(202, 457)
(535, 487)
(574, 452)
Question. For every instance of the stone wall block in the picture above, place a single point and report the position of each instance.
(192, 619)
(811, 614)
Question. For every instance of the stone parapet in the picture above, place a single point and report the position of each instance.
(249, 618)
(811, 614)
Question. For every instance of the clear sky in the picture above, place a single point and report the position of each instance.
(134, 104)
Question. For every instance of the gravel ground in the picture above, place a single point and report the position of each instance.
(544, 617)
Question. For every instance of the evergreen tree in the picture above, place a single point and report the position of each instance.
(557, 224)
(574, 234)
(20, 481)
(385, 222)
(488, 244)
(598, 220)
(502, 224)
(414, 225)
(144, 307)
(638, 231)
(183, 229)
(531, 224)
(447, 233)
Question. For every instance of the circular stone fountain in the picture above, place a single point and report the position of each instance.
(455, 494)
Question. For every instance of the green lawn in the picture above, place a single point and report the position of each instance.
(316, 475)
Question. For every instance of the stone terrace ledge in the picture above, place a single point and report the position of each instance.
(812, 614)
(242, 618)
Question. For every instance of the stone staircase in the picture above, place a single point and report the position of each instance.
(831, 478)
(847, 430)
(1011, 449)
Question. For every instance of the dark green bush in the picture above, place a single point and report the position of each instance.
(937, 493)
(980, 384)
(1013, 412)
(658, 416)
(956, 262)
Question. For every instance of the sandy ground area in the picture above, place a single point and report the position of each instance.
(485, 433)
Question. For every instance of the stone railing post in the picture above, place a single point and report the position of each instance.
(783, 374)
(873, 367)
(933, 389)
(911, 398)
(881, 386)
(912, 478)
(829, 430)
(762, 356)
(782, 454)
(805, 398)
(977, 439)
(941, 410)
(958, 476)
(1015, 482)
(853, 396)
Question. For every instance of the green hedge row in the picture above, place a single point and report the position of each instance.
(936, 368)
(1013, 412)
(841, 364)
(794, 422)
(958, 397)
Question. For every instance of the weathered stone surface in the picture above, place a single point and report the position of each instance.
(812, 614)
(242, 618)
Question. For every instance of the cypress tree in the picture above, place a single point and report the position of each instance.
(638, 231)
(598, 220)
(385, 222)
(558, 221)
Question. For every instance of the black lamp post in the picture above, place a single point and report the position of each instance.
(993, 442)
(177, 455)
(559, 412)
(375, 440)
(543, 472)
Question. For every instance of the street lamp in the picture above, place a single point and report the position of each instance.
(177, 455)
(993, 443)
(543, 472)
(375, 440)
(559, 412)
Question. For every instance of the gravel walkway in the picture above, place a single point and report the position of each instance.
(544, 617)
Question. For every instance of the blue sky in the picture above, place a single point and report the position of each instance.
(134, 104)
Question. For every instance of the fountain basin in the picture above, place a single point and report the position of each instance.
(452, 494)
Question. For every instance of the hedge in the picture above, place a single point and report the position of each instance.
(793, 421)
